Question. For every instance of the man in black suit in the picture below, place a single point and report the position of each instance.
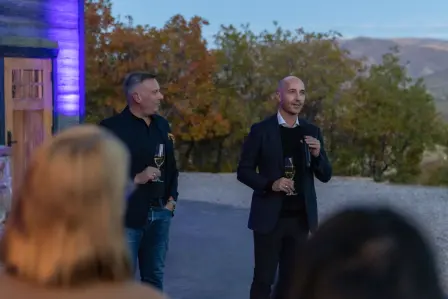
(281, 221)
(151, 205)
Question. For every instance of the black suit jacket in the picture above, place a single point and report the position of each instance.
(262, 149)
(123, 126)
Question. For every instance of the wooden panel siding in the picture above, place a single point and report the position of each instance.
(63, 18)
(22, 18)
(57, 21)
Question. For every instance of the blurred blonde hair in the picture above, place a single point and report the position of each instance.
(66, 223)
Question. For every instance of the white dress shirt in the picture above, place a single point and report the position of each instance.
(282, 122)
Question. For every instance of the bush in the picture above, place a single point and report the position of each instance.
(435, 174)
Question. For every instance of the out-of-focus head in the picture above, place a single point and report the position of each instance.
(65, 225)
(291, 95)
(143, 93)
(369, 254)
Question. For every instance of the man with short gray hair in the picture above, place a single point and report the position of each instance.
(153, 170)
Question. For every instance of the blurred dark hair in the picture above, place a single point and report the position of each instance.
(366, 253)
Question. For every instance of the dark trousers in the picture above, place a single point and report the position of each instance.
(277, 249)
(149, 246)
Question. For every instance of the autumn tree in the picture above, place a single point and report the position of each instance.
(390, 120)
(177, 53)
(114, 47)
(240, 88)
(99, 25)
(251, 65)
(376, 121)
(186, 68)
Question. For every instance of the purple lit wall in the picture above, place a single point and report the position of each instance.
(65, 20)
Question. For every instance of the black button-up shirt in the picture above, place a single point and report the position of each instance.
(141, 140)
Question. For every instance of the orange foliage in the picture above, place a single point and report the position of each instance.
(99, 24)
(188, 71)
(177, 53)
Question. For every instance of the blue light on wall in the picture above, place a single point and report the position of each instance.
(63, 19)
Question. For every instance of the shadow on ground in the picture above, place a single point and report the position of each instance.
(210, 254)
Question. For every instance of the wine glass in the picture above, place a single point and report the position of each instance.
(159, 158)
(289, 172)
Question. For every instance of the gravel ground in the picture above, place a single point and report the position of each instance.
(211, 254)
(427, 206)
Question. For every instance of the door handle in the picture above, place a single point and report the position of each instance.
(9, 141)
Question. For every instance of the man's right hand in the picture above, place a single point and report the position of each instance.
(149, 174)
(283, 184)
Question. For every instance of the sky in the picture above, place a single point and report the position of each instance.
(352, 18)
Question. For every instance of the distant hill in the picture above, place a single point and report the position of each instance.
(426, 58)
(437, 83)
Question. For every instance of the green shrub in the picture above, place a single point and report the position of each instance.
(435, 174)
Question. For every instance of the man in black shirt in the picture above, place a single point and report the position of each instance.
(151, 205)
(283, 210)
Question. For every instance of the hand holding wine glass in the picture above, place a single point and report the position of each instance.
(159, 158)
(289, 172)
(149, 174)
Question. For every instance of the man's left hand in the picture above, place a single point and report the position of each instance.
(314, 145)
(170, 206)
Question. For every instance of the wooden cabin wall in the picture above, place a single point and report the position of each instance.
(22, 18)
(60, 21)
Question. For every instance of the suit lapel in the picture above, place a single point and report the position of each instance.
(307, 129)
(276, 146)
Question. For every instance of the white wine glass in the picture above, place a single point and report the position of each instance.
(289, 172)
(159, 159)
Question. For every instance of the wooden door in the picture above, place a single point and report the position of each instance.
(28, 109)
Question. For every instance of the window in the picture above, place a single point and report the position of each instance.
(27, 84)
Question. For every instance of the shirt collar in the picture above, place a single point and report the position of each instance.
(282, 122)
(127, 113)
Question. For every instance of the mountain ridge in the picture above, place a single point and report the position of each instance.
(425, 58)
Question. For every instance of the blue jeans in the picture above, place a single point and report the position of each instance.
(149, 246)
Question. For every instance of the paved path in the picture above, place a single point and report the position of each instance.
(210, 255)
(425, 205)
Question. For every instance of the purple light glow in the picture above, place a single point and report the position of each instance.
(62, 17)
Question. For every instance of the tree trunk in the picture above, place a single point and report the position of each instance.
(219, 155)
(185, 162)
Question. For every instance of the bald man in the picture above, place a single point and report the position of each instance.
(288, 153)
